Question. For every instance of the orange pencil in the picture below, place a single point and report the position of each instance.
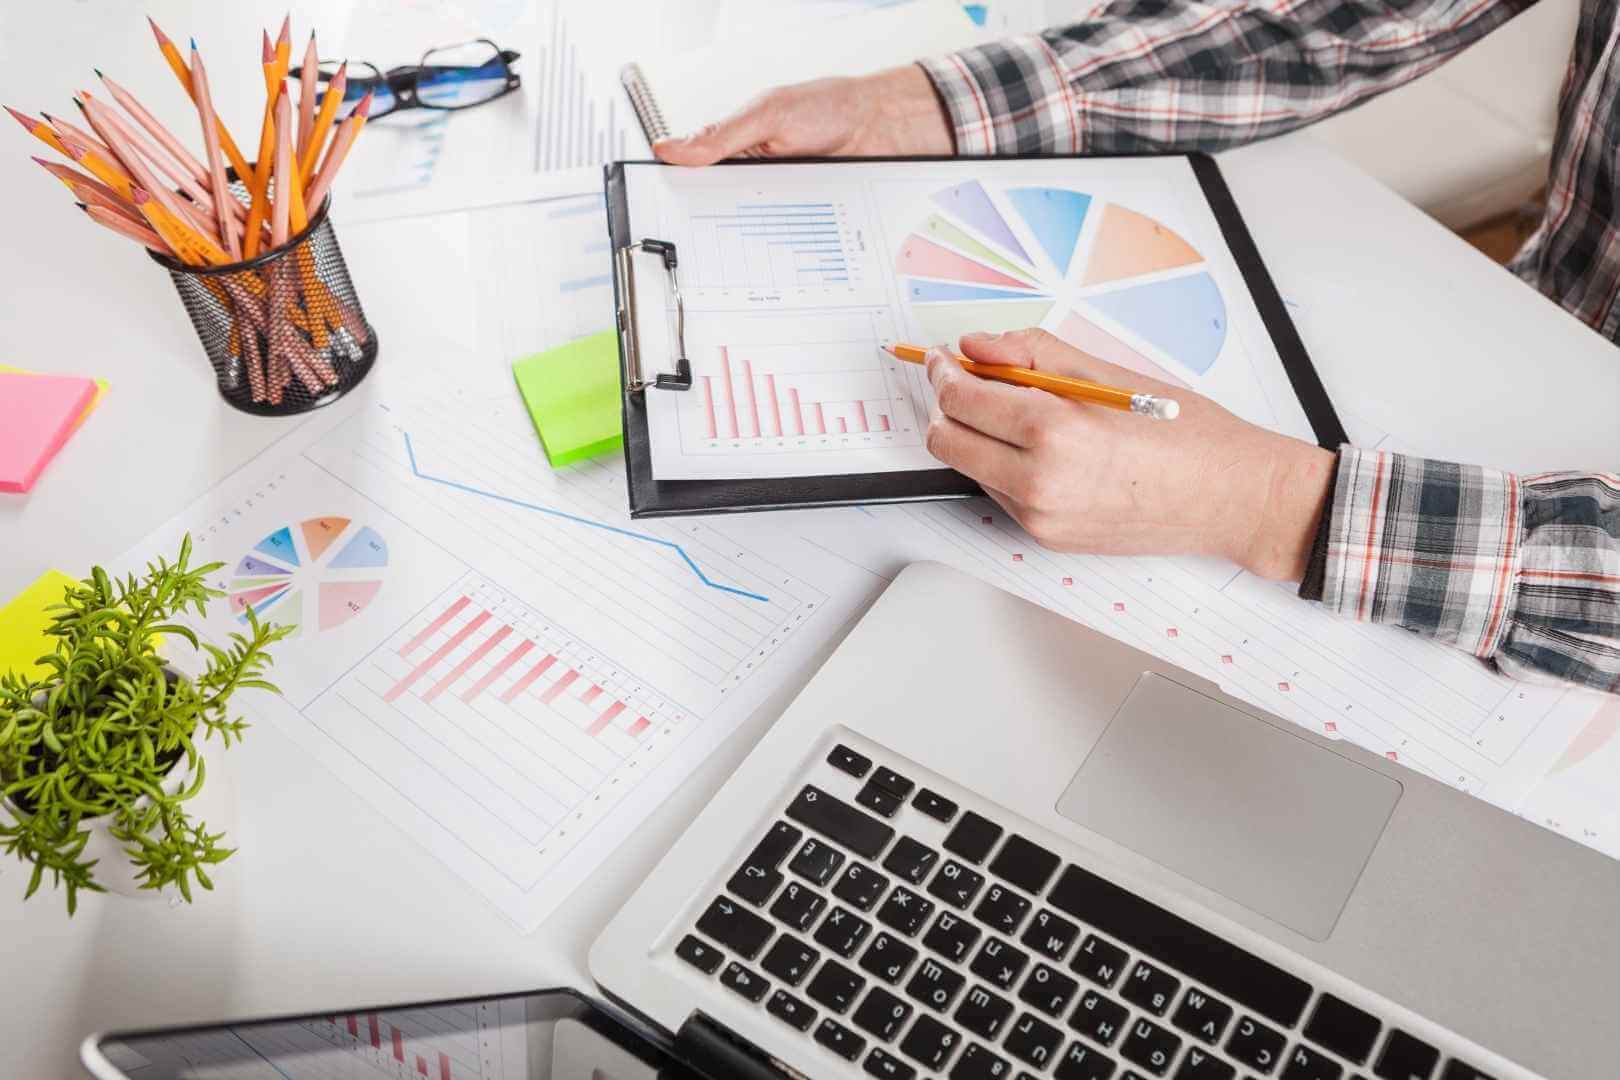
(95, 194)
(119, 224)
(177, 64)
(307, 83)
(105, 119)
(216, 163)
(323, 122)
(74, 180)
(100, 166)
(39, 130)
(1092, 393)
(267, 152)
(140, 173)
(188, 245)
(64, 129)
(284, 45)
(348, 131)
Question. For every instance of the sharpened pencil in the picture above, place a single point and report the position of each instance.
(223, 198)
(1084, 390)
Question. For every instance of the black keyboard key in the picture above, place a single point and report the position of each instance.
(888, 958)
(840, 822)
(884, 1064)
(776, 845)
(881, 1014)
(934, 805)
(853, 762)
(982, 1012)
(1099, 960)
(706, 958)
(839, 1039)
(1032, 1040)
(842, 931)
(1339, 1026)
(1082, 1062)
(790, 1010)
(911, 860)
(816, 862)
(1200, 1064)
(930, 1043)
(879, 800)
(798, 906)
(1150, 987)
(754, 884)
(1255, 1045)
(1099, 1018)
(889, 780)
(835, 986)
(1024, 863)
(956, 884)
(1226, 969)
(1303, 1063)
(1048, 989)
(979, 1063)
(1202, 1016)
(999, 962)
(860, 886)
(1461, 1070)
(749, 984)
(1150, 1046)
(905, 911)
(951, 936)
(934, 984)
(1001, 909)
(1404, 1057)
(789, 959)
(1050, 934)
(735, 927)
(973, 837)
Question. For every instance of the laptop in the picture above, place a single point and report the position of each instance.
(987, 842)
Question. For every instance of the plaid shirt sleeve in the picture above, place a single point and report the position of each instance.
(1523, 571)
(1156, 75)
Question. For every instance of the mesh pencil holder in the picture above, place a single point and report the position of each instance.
(284, 331)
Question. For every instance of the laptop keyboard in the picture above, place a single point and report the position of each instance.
(977, 954)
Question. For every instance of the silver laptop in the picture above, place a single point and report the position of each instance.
(986, 842)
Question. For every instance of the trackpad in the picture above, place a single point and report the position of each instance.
(1246, 809)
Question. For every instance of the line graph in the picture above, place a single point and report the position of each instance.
(410, 450)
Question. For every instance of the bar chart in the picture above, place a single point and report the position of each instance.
(774, 245)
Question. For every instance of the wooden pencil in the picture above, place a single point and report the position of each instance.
(267, 151)
(94, 193)
(141, 173)
(223, 198)
(105, 119)
(335, 90)
(165, 137)
(188, 245)
(1083, 390)
(141, 234)
(39, 129)
(64, 129)
(308, 83)
(281, 205)
(101, 167)
(348, 131)
(177, 64)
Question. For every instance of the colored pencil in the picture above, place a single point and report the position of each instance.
(323, 122)
(120, 224)
(177, 64)
(39, 129)
(94, 193)
(223, 198)
(101, 167)
(165, 137)
(308, 82)
(348, 131)
(1092, 393)
(281, 206)
(188, 245)
(141, 173)
(64, 129)
(267, 151)
(105, 119)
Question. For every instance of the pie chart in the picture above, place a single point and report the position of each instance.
(315, 575)
(1118, 284)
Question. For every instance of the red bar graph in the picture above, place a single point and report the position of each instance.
(731, 392)
(439, 654)
(776, 409)
(860, 416)
(444, 1066)
(399, 1046)
(421, 1065)
(498, 670)
(760, 404)
(843, 428)
(798, 413)
(883, 422)
(708, 405)
(591, 694)
(479, 652)
(821, 421)
(376, 1034)
(528, 679)
(354, 1028)
(607, 717)
(435, 626)
(639, 726)
(559, 686)
(753, 402)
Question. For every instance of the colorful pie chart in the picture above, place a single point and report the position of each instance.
(1108, 280)
(315, 575)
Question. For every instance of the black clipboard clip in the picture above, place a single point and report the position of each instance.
(630, 327)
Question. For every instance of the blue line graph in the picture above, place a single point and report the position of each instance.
(410, 452)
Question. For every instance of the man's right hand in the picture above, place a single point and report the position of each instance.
(890, 114)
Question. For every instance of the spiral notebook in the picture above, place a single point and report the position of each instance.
(677, 94)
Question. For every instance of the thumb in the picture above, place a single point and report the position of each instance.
(1042, 351)
(742, 130)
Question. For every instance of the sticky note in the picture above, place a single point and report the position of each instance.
(572, 394)
(101, 392)
(37, 414)
(23, 623)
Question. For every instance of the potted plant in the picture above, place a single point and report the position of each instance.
(100, 757)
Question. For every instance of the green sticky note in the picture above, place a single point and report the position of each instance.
(572, 393)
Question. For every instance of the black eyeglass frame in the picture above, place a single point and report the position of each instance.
(402, 81)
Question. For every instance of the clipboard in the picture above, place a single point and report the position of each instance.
(636, 257)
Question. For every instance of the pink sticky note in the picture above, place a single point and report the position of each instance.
(37, 414)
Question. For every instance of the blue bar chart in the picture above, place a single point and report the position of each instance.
(780, 245)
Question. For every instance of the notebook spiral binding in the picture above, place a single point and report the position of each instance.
(644, 103)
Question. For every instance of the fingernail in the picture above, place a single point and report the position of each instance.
(938, 362)
(980, 336)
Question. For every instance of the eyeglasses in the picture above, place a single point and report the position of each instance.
(451, 77)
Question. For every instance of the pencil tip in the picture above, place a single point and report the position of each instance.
(79, 103)
(98, 72)
(83, 207)
(286, 28)
(193, 44)
(21, 118)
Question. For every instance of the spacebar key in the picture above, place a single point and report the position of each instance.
(840, 822)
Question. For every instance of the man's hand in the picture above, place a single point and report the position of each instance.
(1085, 478)
(892, 113)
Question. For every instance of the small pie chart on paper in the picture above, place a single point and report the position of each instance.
(1108, 280)
(315, 575)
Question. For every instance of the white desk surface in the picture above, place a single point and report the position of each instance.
(1414, 332)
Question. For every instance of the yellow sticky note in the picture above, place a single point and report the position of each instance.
(23, 623)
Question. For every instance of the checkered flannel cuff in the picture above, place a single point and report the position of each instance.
(1428, 545)
(1010, 97)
